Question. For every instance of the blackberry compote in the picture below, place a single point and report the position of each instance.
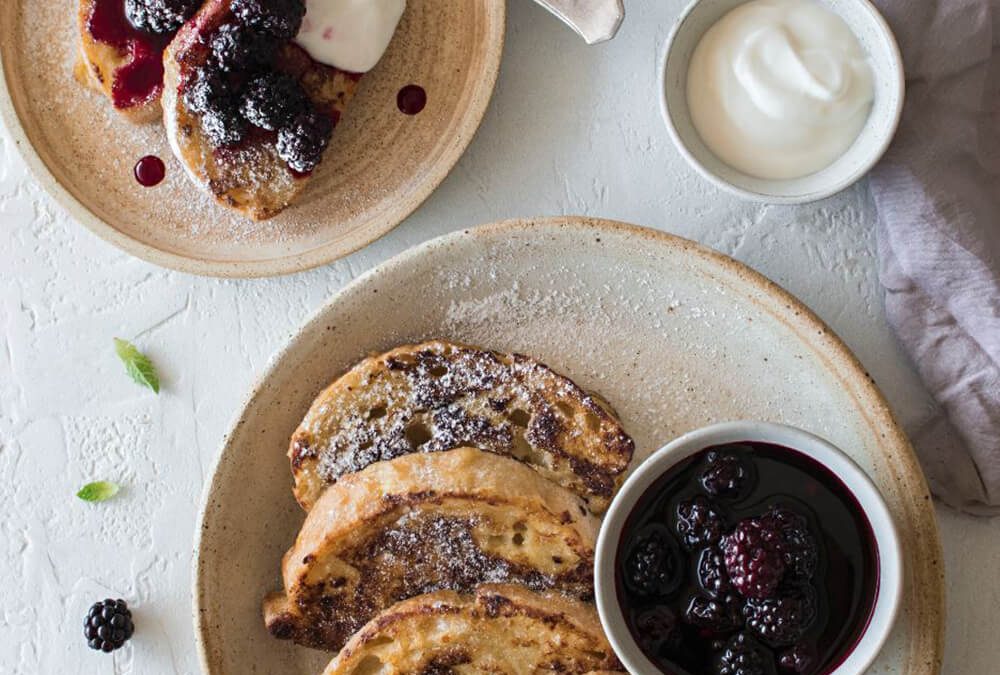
(773, 561)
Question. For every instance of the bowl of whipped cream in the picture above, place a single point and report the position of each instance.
(782, 101)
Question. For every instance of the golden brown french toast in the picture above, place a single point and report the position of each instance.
(249, 177)
(501, 629)
(439, 395)
(421, 523)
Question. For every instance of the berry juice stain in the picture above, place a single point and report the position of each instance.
(141, 79)
(690, 568)
(150, 171)
(411, 99)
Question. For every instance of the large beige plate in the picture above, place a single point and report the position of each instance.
(675, 336)
(382, 166)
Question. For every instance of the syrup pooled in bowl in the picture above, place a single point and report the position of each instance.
(750, 559)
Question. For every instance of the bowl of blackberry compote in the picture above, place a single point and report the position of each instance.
(748, 548)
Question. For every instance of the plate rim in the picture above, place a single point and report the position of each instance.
(285, 264)
(823, 339)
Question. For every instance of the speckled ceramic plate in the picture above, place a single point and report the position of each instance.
(675, 336)
(382, 165)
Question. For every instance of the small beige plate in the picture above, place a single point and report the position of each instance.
(673, 335)
(382, 165)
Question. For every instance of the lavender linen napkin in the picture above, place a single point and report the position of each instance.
(937, 193)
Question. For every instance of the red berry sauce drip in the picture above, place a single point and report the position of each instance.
(411, 99)
(150, 171)
(141, 79)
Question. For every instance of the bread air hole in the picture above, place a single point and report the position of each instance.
(370, 665)
(519, 418)
(519, 529)
(438, 371)
(377, 412)
(565, 409)
(593, 424)
(417, 433)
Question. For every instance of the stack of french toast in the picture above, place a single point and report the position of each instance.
(453, 498)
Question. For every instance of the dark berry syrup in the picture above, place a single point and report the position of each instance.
(747, 559)
(150, 171)
(411, 99)
(141, 79)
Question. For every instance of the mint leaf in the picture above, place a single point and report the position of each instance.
(98, 491)
(138, 365)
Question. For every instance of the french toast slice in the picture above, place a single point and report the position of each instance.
(426, 522)
(501, 629)
(249, 178)
(122, 63)
(439, 395)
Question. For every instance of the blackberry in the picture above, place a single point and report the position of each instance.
(782, 620)
(798, 546)
(742, 655)
(712, 573)
(160, 16)
(302, 143)
(699, 523)
(657, 628)
(280, 19)
(208, 89)
(223, 127)
(798, 659)
(726, 474)
(754, 559)
(238, 48)
(653, 566)
(108, 625)
(719, 615)
(271, 100)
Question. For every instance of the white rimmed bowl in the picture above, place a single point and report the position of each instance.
(890, 567)
(878, 42)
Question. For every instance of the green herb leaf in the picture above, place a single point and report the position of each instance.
(138, 365)
(98, 491)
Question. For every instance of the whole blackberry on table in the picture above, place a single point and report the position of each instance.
(108, 625)
(302, 143)
(208, 89)
(280, 19)
(653, 565)
(743, 656)
(726, 474)
(754, 558)
(239, 48)
(719, 615)
(784, 619)
(224, 127)
(712, 573)
(699, 522)
(271, 100)
(798, 545)
(160, 16)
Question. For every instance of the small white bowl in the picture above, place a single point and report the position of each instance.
(887, 66)
(889, 584)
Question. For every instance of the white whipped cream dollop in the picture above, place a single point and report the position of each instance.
(349, 34)
(779, 89)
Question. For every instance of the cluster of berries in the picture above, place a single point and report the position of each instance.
(239, 87)
(753, 592)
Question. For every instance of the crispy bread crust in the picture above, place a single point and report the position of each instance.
(98, 64)
(251, 178)
(439, 395)
(500, 629)
(425, 522)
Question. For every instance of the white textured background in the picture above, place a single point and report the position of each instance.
(571, 130)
